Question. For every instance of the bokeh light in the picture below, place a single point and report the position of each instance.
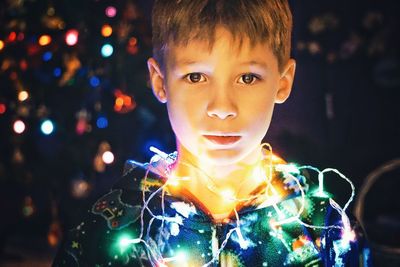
(111, 11)
(107, 50)
(79, 188)
(20, 36)
(19, 126)
(12, 36)
(23, 95)
(106, 30)
(123, 103)
(81, 126)
(1, 45)
(44, 40)
(3, 108)
(108, 157)
(23, 64)
(47, 56)
(47, 127)
(102, 122)
(132, 47)
(57, 72)
(71, 37)
(28, 208)
(94, 81)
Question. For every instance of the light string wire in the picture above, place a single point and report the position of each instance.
(160, 261)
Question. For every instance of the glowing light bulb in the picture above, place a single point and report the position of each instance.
(19, 126)
(108, 157)
(107, 50)
(126, 241)
(181, 256)
(158, 152)
(23, 95)
(111, 11)
(106, 30)
(47, 127)
(349, 235)
(172, 180)
(71, 37)
(44, 40)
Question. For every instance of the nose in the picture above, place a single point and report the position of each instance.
(221, 105)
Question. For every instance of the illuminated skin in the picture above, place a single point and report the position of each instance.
(220, 103)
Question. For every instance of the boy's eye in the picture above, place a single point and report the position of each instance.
(195, 77)
(248, 78)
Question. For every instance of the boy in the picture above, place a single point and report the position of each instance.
(222, 199)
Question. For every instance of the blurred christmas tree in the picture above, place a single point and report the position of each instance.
(74, 104)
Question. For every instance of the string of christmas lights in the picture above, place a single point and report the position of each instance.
(287, 170)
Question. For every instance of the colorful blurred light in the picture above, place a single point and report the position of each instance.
(106, 30)
(108, 157)
(71, 37)
(1, 45)
(3, 108)
(57, 72)
(12, 36)
(131, 47)
(23, 64)
(94, 81)
(28, 208)
(20, 36)
(19, 126)
(81, 126)
(44, 40)
(47, 56)
(47, 127)
(111, 11)
(123, 103)
(80, 188)
(102, 122)
(107, 50)
(23, 95)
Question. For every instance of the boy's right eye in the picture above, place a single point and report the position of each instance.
(195, 77)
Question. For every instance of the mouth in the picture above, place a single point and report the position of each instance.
(223, 140)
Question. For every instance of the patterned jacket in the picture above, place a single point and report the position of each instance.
(140, 223)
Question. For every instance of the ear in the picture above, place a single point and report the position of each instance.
(286, 82)
(157, 80)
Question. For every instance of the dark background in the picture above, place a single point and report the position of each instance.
(343, 112)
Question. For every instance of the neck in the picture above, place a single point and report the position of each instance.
(237, 176)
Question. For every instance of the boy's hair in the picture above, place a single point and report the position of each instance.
(180, 21)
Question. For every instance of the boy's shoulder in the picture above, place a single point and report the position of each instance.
(114, 215)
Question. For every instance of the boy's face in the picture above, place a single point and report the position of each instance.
(220, 100)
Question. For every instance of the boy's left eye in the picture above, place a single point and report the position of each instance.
(248, 78)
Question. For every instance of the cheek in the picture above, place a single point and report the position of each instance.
(259, 115)
(182, 115)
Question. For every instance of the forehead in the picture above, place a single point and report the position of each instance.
(223, 46)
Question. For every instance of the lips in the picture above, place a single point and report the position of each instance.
(223, 139)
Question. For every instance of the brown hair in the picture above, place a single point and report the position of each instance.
(179, 21)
